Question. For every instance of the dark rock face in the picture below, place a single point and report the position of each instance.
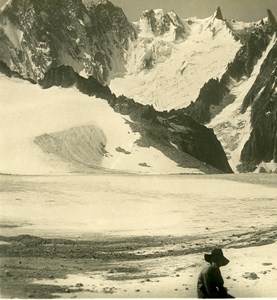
(249, 54)
(214, 95)
(219, 14)
(174, 133)
(4, 69)
(197, 140)
(272, 20)
(265, 78)
(262, 97)
(64, 76)
(63, 33)
(210, 95)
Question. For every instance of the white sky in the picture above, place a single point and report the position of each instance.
(241, 10)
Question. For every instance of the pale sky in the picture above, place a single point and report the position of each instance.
(241, 10)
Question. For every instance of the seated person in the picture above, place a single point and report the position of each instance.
(210, 282)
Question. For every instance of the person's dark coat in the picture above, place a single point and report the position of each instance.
(211, 284)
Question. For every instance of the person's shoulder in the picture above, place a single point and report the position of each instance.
(207, 269)
(211, 268)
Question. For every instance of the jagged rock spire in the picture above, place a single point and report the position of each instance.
(271, 19)
(218, 14)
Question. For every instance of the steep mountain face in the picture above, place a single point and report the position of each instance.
(91, 40)
(157, 34)
(216, 99)
(216, 94)
(175, 70)
(246, 133)
(261, 148)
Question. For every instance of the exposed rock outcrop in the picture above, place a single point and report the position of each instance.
(249, 54)
(272, 20)
(218, 14)
(215, 94)
(209, 99)
(262, 97)
(92, 41)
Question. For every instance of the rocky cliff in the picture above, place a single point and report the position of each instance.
(262, 98)
(91, 40)
(217, 92)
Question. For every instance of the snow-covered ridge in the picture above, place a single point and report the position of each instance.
(57, 119)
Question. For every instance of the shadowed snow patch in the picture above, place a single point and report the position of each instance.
(83, 145)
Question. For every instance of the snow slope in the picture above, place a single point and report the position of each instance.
(28, 112)
(231, 127)
(169, 74)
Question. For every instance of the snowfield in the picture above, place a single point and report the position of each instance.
(27, 112)
(196, 212)
(258, 260)
(136, 205)
(180, 68)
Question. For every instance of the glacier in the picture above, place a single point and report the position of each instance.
(180, 68)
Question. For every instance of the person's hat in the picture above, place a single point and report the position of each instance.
(216, 256)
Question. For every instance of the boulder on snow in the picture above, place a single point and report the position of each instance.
(250, 275)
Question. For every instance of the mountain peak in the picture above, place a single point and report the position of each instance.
(218, 14)
(271, 19)
(156, 22)
(159, 12)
